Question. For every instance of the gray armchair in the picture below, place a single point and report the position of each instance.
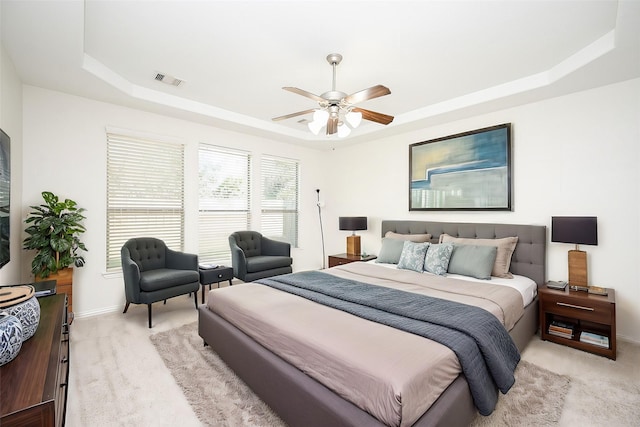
(152, 272)
(254, 256)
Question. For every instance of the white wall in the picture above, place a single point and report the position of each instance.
(11, 124)
(65, 152)
(574, 155)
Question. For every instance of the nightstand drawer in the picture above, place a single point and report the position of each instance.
(341, 259)
(585, 309)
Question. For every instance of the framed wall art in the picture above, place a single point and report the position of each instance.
(466, 171)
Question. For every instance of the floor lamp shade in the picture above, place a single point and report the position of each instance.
(579, 230)
(353, 223)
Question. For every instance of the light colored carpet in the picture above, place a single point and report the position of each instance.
(219, 398)
(118, 378)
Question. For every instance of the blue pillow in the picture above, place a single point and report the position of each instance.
(390, 251)
(473, 260)
(412, 257)
(437, 258)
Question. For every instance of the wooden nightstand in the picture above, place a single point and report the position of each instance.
(586, 312)
(340, 259)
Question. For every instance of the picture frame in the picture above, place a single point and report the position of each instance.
(468, 171)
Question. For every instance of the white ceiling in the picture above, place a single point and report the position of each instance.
(442, 60)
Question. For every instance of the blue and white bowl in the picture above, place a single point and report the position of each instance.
(10, 337)
(21, 302)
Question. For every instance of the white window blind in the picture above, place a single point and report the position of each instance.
(224, 200)
(280, 182)
(145, 193)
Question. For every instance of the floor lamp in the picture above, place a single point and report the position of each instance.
(579, 230)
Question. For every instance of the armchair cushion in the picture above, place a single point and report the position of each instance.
(162, 278)
(266, 262)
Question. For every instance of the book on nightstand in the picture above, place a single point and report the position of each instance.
(556, 285)
(595, 339)
(561, 329)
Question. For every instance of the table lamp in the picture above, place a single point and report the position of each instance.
(353, 223)
(579, 230)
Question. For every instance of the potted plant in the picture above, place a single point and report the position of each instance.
(54, 232)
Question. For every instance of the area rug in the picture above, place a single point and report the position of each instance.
(220, 398)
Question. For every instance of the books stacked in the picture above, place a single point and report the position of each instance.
(595, 339)
(561, 329)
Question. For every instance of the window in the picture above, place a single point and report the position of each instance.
(224, 200)
(145, 186)
(280, 182)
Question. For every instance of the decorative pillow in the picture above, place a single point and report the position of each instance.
(412, 257)
(437, 259)
(418, 238)
(390, 251)
(505, 246)
(473, 260)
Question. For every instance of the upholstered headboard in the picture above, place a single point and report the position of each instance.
(529, 257)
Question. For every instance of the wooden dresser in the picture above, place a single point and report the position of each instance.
(33, 386)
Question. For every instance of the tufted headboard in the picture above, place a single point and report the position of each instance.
(529, 257)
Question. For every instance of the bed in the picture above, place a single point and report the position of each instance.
(309, 399)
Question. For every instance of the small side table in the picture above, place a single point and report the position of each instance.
(587, 312)
(340, 259)
(214, 275)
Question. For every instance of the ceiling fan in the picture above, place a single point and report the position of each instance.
(336, 106)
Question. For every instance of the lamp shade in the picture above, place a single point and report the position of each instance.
(580, 230)
(352, 223)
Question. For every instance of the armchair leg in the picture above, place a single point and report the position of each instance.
(195, 297)
(149, 309)
(126, 307)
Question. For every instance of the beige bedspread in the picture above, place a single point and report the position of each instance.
(393, 375)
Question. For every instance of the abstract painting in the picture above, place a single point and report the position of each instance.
(466, 171)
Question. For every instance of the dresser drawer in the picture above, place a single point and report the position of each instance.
(590, 310)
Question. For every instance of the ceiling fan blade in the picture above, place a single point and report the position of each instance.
(363, 95)
(288, 116)
(374, 116)
(332, 125)
(304, 93)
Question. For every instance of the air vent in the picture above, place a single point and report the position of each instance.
(169, 80)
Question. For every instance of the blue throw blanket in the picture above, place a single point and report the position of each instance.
(486, 352)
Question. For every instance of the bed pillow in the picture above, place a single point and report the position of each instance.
(437, 259)
(390, 251)
(412, 257)
(418, 238)
(505, 246)
(473, 260)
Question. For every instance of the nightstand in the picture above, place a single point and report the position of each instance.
(582, 312)
(214, 275)
(340, 259)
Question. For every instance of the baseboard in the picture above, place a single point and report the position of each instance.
(92, 313)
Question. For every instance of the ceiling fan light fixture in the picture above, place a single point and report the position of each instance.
(354, 118)
(315, 126)
(343, 130)
(320, 116)
(336, 108)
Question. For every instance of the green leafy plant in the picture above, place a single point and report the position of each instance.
(54, 232)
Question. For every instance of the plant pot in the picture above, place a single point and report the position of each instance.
(64, 282)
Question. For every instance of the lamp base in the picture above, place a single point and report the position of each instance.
(353, 245)
(578, 268)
